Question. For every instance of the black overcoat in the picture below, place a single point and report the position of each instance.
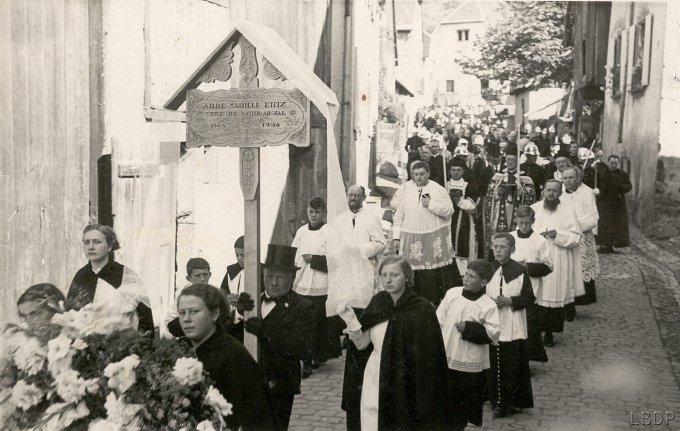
(239, 379)
(286, 340)
(413, 365)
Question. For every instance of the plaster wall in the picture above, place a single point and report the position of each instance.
(631, 121)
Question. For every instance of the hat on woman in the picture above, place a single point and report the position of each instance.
(461, 150)
(531, 149)
(280, 257)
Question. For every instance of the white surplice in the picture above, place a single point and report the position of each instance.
(424, 233)
(583, 201)
(534, 249)
(564, 283)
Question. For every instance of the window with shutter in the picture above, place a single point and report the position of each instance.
(616, 66)
(642, 44)
(630, 42)
(647, 51)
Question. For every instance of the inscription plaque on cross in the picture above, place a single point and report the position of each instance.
(248, 117)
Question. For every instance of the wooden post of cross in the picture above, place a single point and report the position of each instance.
(249, 167)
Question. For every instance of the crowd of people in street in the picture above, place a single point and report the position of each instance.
(492, 245)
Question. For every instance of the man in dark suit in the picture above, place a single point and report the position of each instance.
(284, 331)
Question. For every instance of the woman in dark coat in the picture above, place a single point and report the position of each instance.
(612, 228)
(103, 279)
(203, 313)
(404, 380)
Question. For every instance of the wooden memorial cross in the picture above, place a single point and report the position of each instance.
(247, 117)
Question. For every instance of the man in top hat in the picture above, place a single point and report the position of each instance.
(284, 331)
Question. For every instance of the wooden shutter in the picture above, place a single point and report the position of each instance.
(630, 61)
(647, 52)
(623, 61)
(609, 67)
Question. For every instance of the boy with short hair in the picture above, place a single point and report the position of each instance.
(509, 383)
(533, 251)
(470, 322)
(311, 282)
(198, 271)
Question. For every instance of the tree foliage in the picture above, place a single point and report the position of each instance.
(525, 48)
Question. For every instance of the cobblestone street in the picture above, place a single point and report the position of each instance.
(618, 359)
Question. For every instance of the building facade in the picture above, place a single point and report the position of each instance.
(88, 84)
(452, 39)
(642, 96)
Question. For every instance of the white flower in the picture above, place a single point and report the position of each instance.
(188, 371)
(72, 388)
(75, 323)
(120, 412)
(205, 426)
(59, 354)
(30, 356)
(25, 395)
(215, 399)
(101, 318)
(79, 344)
(122, 374)
(103, 425)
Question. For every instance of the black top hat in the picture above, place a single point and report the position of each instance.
(562, 153)
(281, 257)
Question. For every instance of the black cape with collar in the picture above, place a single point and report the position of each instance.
(84, 285)
(413, 364)
(239, 379)
(512, 270)
(232, 271)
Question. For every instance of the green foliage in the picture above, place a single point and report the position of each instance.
(525, 49)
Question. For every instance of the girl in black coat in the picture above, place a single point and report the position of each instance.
(203, 312)
(404, 381)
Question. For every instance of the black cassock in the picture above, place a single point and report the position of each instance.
(413, 366)
(462, 221)
(239, 379)
(509, 378)
(612, 228)
(535, 172)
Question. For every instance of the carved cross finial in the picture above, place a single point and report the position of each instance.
(248, 66)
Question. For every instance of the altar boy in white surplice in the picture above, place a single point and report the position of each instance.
(509, 386)
(533, 251)
(469, 321)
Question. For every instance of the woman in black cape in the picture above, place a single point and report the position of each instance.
(403, 385)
